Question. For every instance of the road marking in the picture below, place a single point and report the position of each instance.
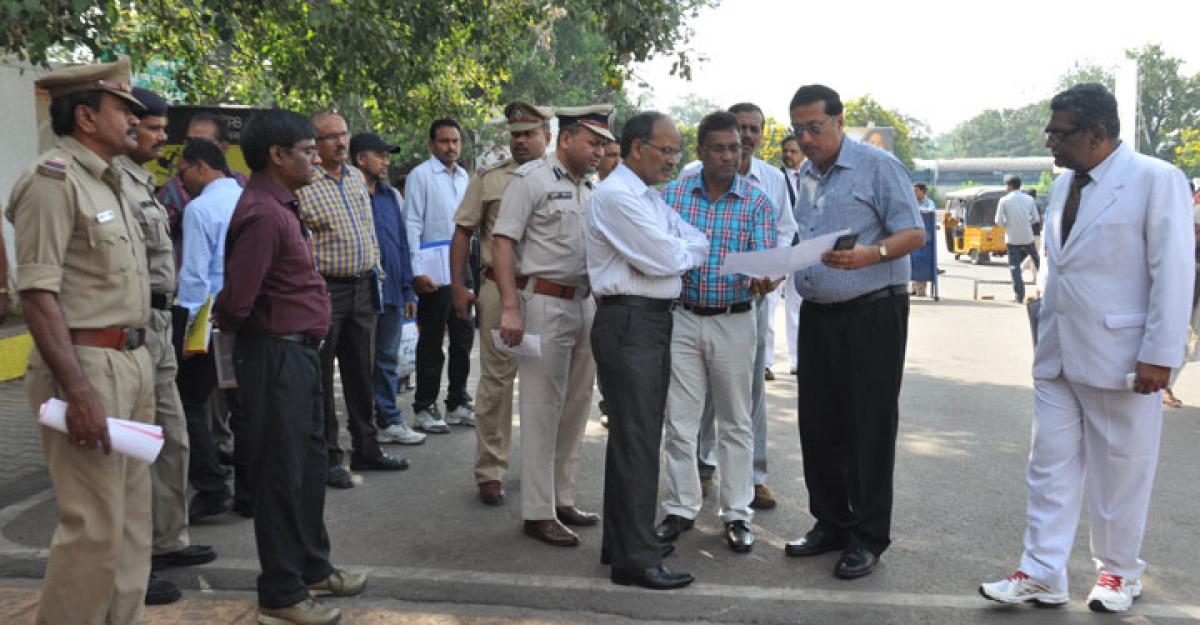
(599, 584)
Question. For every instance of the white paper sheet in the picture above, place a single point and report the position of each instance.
(781, 261)
(433, 260)
(531, 345)
(137, 440)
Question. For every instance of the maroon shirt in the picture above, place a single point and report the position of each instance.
(271, 282)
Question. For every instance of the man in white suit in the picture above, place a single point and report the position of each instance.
(1118, 275)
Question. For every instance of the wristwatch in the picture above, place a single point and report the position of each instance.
(883, 255)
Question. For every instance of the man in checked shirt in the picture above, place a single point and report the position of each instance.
(336, 208)
(714, 335)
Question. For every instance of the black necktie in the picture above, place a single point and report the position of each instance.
(1071, 208)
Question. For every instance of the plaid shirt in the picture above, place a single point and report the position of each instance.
(338, 214)
(741, 221)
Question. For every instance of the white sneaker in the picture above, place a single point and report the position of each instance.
(1113, 593)
(1021, 588)
(462, 415)
(430, 421)
(399, 433)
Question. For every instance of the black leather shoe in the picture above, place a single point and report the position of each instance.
(815, 542)
(671, 527)
(243, 509)
(738, 536)
(667, 549)
(161, 591)
(206, 505)
(339, 478)
(382, 462)
(655, 578)
(856, 562)
(192, 555)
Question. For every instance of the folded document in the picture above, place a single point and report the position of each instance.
(137, 440)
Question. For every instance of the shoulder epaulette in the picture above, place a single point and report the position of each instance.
(53, 168)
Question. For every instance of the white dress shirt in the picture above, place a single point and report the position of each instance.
(772, 182)
(1017, 212)
(637, 245)
(431, 195)
(205, 222)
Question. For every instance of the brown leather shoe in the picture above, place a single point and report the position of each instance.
(764, 497)
(551, 532)
(491, 492)
(570, 515)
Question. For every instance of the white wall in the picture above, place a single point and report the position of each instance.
(25, 131)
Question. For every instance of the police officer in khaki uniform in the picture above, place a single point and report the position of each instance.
(529, 132)
(542, 218)
(82, 277)
(169, 473)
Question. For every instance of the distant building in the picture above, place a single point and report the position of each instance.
(952, 173)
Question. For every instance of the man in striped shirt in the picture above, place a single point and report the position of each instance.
(714, 336)
(336, 209)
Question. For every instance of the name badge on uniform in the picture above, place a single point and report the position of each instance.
(105, 217)
(560, 195)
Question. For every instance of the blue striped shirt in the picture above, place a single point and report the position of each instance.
(866, 191)
(742, 220)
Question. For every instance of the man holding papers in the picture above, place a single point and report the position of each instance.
(433, 191)
(714, 336)
(853, 329)
(542, 216)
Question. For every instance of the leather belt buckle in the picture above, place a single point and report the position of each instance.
(133, 338)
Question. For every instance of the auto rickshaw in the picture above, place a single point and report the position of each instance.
(970, 223)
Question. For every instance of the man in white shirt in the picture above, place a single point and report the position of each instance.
(432, 193)
(637, 248)
(793, 158)
(771, 181)
(1017, 213)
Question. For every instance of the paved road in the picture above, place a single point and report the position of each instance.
(965, 419)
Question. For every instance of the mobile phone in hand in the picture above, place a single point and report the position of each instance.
(845, 242)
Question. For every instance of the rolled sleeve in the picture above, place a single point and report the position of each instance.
(43, 222)
(515, 208)
(470, 211)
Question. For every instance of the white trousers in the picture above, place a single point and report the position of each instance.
(791, 310)
(1104, 441)
(555, 399)
(714, 353)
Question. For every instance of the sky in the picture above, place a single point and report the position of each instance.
(941, 62)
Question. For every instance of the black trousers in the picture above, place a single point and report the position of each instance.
(850, 369)
(284, 436)
(632, 348)
(352, 341)
(196, 380)
(436, 318)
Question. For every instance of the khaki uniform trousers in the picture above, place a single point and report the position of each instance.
(169, 473)
(493, 397)
(556, 397)
(100, 552)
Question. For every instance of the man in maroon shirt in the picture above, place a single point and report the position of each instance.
(276, 302)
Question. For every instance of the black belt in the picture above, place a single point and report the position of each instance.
(702, 311)
(886, 292)
(306, 340)
(636, 301)
(161, 301)
(347, 279)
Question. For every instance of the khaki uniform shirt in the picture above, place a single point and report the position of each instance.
(545, 213)
(138, 186)
(481, 204)
(78, 238)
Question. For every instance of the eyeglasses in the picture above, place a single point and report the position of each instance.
(812, 128)
(1059, 135)
(667, 152)
(333, 136)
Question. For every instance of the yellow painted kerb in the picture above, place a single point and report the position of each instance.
(14, 355)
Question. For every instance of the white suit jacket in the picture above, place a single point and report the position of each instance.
(1120, 290)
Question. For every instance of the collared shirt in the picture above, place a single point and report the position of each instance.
(774, 185)
(431, 195)
(543, 210)
(160, 252)
(742, 220)
(271, 283)
(205, 222)
(1017, 212)
(393, 246)
(637, 245)
(481, 205)
(338, 214)
(78, 237)
(926, 205)
(174, 197)
(868, 192)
